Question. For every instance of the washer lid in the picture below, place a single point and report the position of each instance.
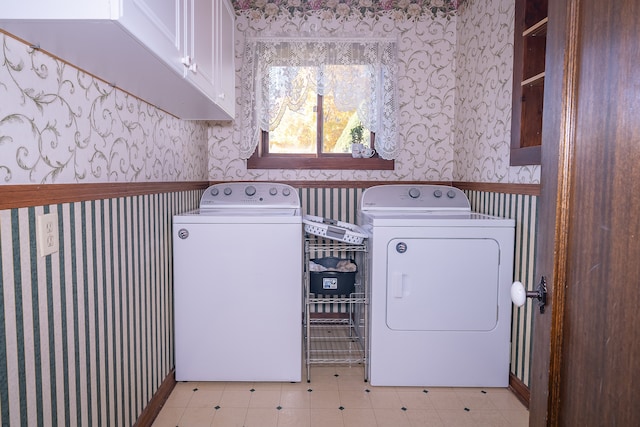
(241, 216)
(250, 212)
(408, 197)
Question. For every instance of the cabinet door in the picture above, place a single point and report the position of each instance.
(69, 9)
(159, 25)
(200, 36)
(225, 56)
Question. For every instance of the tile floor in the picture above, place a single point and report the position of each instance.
(337, 396)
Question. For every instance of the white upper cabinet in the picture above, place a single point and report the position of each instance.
(159, 25)
(224, 55)
(200, 39)
(163, 51)
(210, 56)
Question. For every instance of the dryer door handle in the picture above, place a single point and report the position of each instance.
(397, 284)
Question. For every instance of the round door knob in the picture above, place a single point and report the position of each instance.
(518, 294)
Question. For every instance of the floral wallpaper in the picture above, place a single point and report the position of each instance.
(455, 85)
(342, 9)
(61, 125)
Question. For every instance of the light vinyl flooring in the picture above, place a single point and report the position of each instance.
(337, 396)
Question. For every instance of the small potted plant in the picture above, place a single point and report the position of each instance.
(356, 140)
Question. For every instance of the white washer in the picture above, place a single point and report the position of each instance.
(237, 285)
(439, 282)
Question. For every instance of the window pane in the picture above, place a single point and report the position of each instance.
(292, 106)
(336, 127)
(294, 109)
(347, 89)
(341, 128)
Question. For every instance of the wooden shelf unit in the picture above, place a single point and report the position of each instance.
(528, 81)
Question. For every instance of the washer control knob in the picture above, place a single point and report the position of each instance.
(451, 194)
(286, 192)
(214, 191)
(227, 191)
(414, 193)
(437, 194)
(250, 190)
(273, 191)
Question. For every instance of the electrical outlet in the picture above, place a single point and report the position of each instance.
(47, 232)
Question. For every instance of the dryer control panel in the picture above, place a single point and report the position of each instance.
(414, 197)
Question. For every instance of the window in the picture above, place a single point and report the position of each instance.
(306, 100)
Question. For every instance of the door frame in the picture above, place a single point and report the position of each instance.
(558, 142)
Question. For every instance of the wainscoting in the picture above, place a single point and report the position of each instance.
(86, 334)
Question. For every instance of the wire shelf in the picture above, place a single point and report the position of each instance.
(333, 345)
(336, 340)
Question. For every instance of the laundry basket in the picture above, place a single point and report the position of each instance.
(332, 229)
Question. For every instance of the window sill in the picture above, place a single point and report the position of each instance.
(296, 162)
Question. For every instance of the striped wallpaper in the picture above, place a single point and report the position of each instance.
(87, 332)
(524, 209)
(340, 204)
(337, 203)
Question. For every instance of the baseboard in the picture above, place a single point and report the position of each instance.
(519, 389)
(151, 411)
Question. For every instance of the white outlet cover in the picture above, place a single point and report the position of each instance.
(47, 234)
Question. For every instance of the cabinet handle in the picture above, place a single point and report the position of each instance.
(186, 61)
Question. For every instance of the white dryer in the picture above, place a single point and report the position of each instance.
(440, 278)
(238, 285)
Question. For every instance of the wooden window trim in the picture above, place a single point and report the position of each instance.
(310, 161)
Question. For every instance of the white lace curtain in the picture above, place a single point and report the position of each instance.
(370, 89)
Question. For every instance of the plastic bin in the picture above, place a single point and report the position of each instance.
(333, 281)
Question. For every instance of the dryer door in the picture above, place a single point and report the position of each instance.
(442, 284)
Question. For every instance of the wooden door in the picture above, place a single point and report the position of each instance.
(585, 367)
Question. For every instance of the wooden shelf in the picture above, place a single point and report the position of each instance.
(531, 20)
(538, 79)
(539, 29)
